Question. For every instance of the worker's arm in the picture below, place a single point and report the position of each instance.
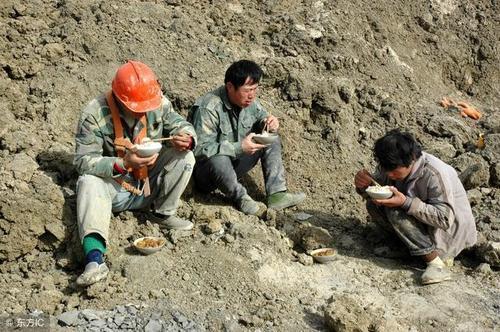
(89, 149)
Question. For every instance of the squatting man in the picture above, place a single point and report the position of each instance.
(429, 210)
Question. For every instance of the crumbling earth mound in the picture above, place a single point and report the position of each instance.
(338, 75)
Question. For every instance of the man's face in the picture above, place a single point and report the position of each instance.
(244, 95)
(399, 173)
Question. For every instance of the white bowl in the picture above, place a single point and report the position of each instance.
(379, 192)
(148, 149)
(149, 244)
(324, 255)
(265, 138)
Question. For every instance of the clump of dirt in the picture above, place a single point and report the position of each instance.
(338, 75)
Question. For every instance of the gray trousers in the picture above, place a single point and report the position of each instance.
(414, 234)
(222, 172)
(98, 197)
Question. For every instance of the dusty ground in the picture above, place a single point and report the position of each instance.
(338, 75)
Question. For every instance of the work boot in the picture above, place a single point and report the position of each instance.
(171, 222)
(248, 206)
(435, 273)
(93, 273)
(283, 199)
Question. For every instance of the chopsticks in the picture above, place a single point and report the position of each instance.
(162, 139)
(373, 180)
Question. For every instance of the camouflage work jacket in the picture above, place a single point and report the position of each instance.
(221, 126)
(95, 153)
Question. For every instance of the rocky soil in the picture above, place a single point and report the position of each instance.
(339, 74)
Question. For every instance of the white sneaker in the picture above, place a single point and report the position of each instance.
(435, 273)
(93, 273)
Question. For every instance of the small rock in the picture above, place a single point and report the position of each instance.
(474, 196)
(98, 323)
(232, 326)
(179, 318)
(68, 318)
(153, 326)
(270, 217)
(175, 235)
(119, 319)
(89, 314)
(155, 293)
(302, 216)
(131, 309)
(23, 167)
(475, 175)
(213, 226)
(495, 175)
(305, 259)
(315, 237)
(228, 238)
(56, 229)
(425, 21)
(345, 93)
(441, 149)
(121, 309)
(486, 190)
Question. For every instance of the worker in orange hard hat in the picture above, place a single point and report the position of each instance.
(133, 151)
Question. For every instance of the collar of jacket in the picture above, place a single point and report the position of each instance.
(417, 169)
(225, 99)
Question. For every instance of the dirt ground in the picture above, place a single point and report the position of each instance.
(338, 74)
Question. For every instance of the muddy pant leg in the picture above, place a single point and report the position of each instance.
(245, 163)
(218, 173)
(168, 180)
(377, 215)
(272, 168)
(413, 233)
(94, 203)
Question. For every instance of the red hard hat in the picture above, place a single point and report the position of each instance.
(137, 87)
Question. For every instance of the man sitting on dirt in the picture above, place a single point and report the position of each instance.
(114, 177)
(429, 210)
(226, 120)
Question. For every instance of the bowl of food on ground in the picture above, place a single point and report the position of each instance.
(147, 148)
(379, 192)
(324, 255)
(149, 244)
(265, 138)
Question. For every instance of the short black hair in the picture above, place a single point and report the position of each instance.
(240, 70)
(396, 149)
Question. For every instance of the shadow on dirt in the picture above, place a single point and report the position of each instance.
(355, 238)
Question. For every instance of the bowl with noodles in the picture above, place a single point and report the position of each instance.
(149, 244)
(324, 255)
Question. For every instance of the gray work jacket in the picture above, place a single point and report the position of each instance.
(436, 197)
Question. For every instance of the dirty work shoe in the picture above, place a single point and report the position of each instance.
(171, 222)
(248, 206)
(435, 273)
(283, 199)
(93, 273)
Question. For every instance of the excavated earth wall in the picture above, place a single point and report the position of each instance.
(338, 74)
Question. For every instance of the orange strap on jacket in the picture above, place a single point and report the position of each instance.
(122, 144)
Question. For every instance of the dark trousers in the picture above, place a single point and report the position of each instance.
(414, 234)
(222, 172)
